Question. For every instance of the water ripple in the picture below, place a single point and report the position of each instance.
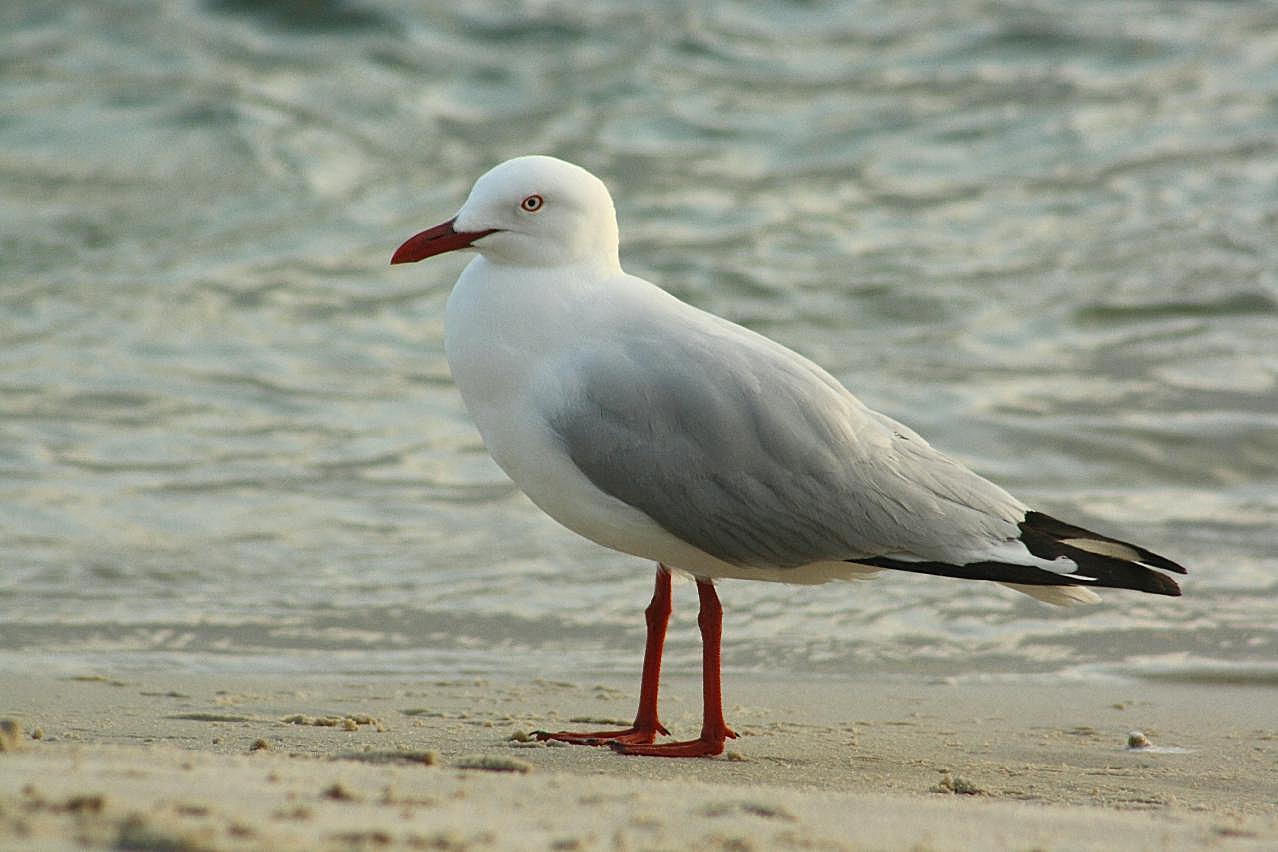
(1041, 234)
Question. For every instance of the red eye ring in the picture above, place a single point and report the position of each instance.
(532, 203)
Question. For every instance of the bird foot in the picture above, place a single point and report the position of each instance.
(637, 735)
(707, 745)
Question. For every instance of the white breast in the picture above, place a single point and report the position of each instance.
(506, 336)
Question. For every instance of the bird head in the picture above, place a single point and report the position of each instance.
(532, 211)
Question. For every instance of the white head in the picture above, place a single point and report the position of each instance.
(531, 211)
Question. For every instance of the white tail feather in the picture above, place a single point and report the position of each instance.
(1058, 595)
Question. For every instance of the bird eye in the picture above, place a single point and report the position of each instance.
(532, 203)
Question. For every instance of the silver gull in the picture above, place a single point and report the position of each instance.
(660, 430)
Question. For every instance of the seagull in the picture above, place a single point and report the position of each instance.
(660, 430)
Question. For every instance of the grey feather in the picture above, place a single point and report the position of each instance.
(759, 457)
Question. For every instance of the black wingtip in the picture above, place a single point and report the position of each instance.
(1157, 584)
(1120, 566)
(1050, 538)
(1058, 529)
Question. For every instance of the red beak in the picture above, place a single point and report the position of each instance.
(436, 240)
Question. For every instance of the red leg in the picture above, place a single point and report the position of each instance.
(646, 726)
(713, 729)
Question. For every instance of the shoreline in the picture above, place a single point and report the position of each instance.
(213, 762)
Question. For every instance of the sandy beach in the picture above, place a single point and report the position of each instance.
(170, 761)
(260, 567)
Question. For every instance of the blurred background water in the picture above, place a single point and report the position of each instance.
(1041, 233)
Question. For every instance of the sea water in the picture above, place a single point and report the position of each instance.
(1042, 234)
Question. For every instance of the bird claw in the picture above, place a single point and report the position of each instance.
(688, 748)
(628, 736)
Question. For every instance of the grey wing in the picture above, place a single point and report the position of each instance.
(758, 457)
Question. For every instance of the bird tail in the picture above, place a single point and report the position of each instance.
(1101, 562)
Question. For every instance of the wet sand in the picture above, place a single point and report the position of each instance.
(168, 761)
